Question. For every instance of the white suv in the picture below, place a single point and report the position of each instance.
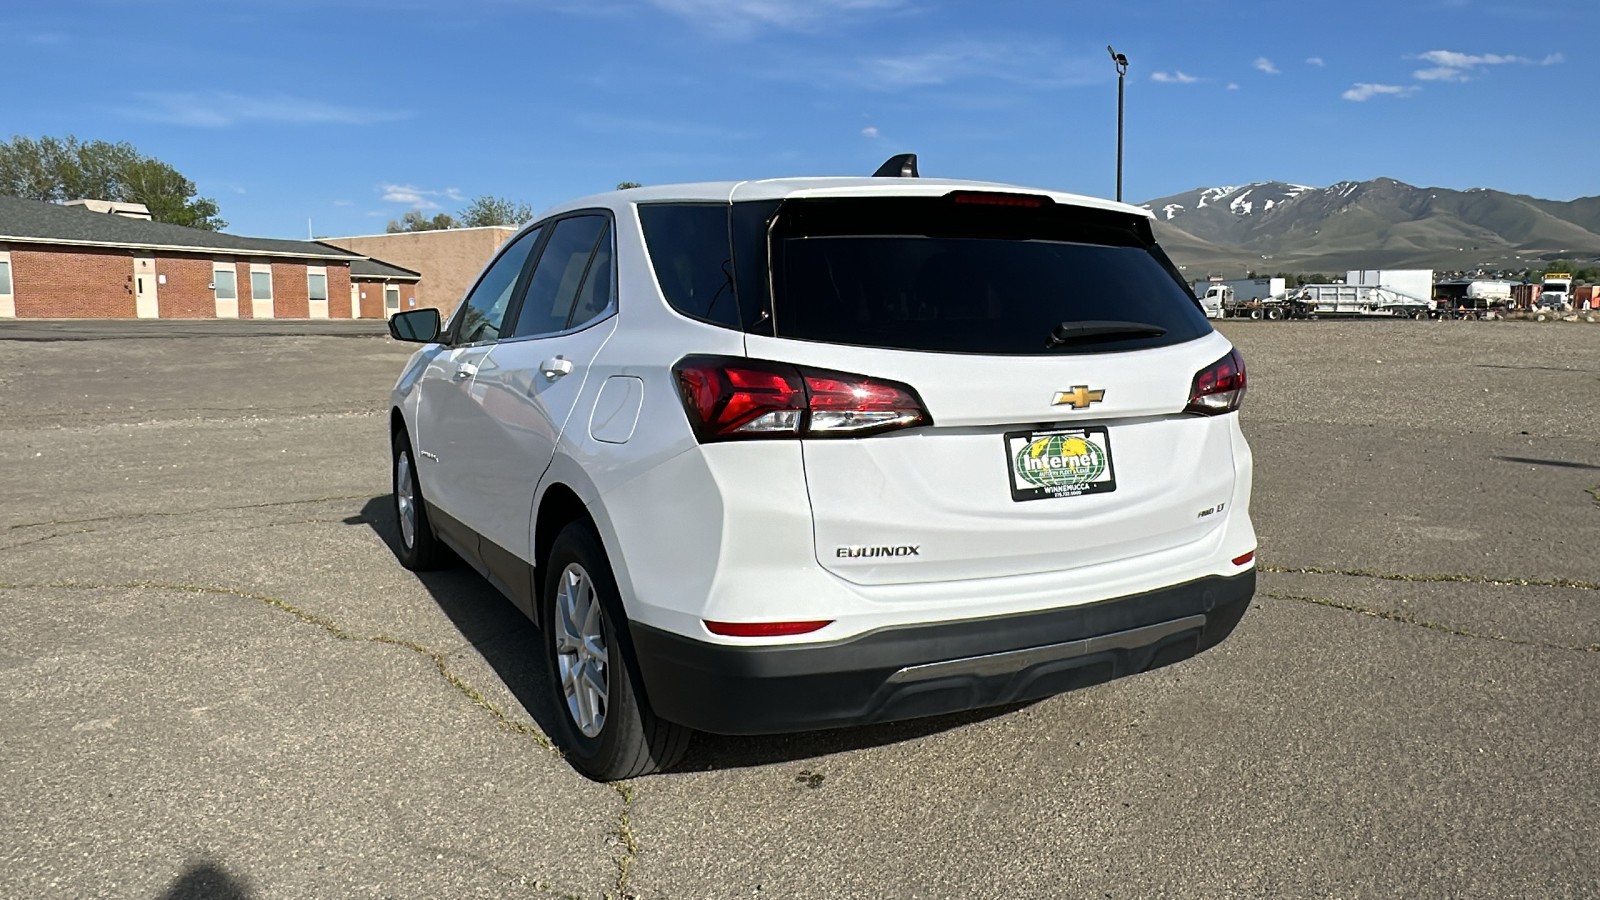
(801, 453)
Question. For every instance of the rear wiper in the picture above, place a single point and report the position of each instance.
(1100, 330)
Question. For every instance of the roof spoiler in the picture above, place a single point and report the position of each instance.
(903, 165)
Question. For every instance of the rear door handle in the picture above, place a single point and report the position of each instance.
(466, 370)
(555, 368)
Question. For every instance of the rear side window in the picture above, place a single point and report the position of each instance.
(931, 274)
(553, 288)
(690, 253)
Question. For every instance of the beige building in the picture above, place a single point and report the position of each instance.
(447, 261)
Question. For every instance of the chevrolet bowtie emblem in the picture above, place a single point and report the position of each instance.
(1078, 398)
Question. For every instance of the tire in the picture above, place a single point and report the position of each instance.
(1255, 313)
(1274, 314)
(614, 735)
(420, 549)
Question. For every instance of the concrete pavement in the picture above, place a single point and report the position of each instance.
(215, 680)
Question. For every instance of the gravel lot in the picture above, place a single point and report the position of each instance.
(217, 681)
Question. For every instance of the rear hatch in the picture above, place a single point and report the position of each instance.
(1054, 349)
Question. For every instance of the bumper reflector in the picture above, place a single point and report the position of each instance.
(1241, 560)
(764, 629)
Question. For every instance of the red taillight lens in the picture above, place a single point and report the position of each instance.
(735, 399)
(765, 629)
(1219, 387)
(728, 399)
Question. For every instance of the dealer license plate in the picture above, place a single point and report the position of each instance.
(1064, 462)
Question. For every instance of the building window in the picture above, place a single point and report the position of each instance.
(260, 284)
(226, 282)
(5, 276)
(317, 285)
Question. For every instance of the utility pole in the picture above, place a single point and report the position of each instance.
(1121, 63)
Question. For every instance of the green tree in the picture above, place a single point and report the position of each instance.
(625, 185)
(490, 210)
(59, 169)
(414, 220)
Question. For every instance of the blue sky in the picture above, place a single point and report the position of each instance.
(350, 112)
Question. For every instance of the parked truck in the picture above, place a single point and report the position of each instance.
(1556, 291)
(1222, 301)
(1239, 293)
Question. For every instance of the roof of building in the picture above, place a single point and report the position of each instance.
(367, 267)
(35, 222)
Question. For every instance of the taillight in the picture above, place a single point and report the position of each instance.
(730, 398)
(1219, 387)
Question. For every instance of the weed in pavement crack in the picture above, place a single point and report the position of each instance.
(1405, 618)
(440, 659)
(190, 512)
(1444, 579)
(630, 844)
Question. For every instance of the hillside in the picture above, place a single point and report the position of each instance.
(1383, 223)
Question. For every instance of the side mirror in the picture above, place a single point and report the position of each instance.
(417, 326)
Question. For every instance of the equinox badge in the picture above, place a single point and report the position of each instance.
(1079, 397)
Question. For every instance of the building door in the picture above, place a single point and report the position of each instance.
(355, 301)
(144, 287)
(391, 300)
(225, 283)
(261, 290)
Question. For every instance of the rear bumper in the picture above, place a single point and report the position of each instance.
(921, 670)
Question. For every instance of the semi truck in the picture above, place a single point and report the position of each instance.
(1215, 293)
(1556, 291)
(1221, 301)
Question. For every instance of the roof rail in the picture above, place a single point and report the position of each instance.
(903, 165)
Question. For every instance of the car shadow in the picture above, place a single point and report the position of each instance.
(509, 643)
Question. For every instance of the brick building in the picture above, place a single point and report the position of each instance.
(75, 262)
(447, 261)
(379, 290)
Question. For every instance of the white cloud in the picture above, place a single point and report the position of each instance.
(1363, 91)
(421, 198)
(743, 18)
(1173, 77)
(1233, 85)
(1265, 65)
(219, 109)
(1454, 60)
(1018, 62)
(870, 131)
(1451, 65)
(1314, 61)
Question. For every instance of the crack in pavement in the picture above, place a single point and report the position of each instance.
(1445, 578)
(189, 512)
(440, 659)
(1405, 618)
(630, 844)
(629, 850)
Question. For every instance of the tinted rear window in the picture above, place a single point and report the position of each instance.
(930, 274)
(690, 253)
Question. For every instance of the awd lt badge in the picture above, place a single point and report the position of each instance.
(1079, 397)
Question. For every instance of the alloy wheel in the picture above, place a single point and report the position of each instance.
(582, 658)
(405, 498)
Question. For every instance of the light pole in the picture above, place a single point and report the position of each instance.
(1122, 72)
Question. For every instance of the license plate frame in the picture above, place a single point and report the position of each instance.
(1062, 473)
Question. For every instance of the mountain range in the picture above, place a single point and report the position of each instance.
(1272, 226)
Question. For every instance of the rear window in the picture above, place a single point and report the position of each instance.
(934, 275)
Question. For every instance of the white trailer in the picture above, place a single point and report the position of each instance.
(1361, 300)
